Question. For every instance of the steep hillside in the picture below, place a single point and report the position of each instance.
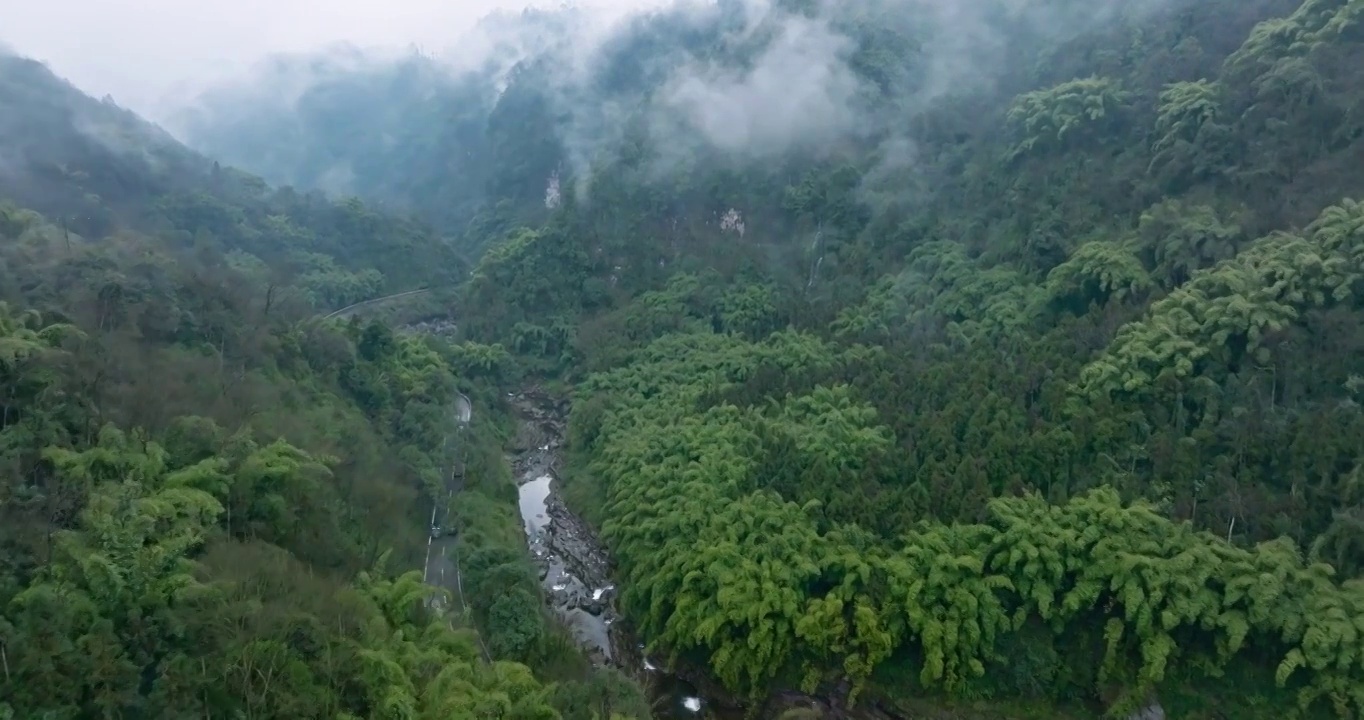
(72, 156)
(212, 502)
(95, 168)
(406, 134)
(992, 352)
(410, 132)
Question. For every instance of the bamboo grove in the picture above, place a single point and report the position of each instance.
(1056, 454)
(766, 586)
(196, 569)
(1041, 381)
(213, 502)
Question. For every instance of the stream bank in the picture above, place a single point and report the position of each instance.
(575, 572)
(575, 568)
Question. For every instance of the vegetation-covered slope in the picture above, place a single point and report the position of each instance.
(211, 503)
(410, 133)
(406, 134)
(94, 168)
(1003, 352)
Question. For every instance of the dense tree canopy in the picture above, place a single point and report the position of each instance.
(1024, 375)
(211, 499)
(1081, 425)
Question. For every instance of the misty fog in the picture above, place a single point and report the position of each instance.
(154, 55)
(801, 88)
(864, 359)
(157, 56)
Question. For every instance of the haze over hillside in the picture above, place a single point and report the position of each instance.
(755, 82)
(154, 55)
(790, 359)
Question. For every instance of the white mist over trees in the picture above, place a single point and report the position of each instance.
(752, 81)
(988, 359)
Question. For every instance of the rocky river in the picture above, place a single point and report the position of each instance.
(575, 572)
(575, 569)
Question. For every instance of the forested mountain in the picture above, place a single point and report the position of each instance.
(986, 359)
(991, 352)
(94, 168)
(404, 133)
(409, 132)
(212, 502)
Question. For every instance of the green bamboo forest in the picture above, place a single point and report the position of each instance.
(992, 360)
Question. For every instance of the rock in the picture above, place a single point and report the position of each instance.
(440, 326)
(1152, 711)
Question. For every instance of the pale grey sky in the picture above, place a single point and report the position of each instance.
(148, 53)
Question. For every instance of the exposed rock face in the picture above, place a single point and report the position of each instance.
(442, 327)
(1152, 711)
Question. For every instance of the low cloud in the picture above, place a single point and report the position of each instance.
(799, 86)
(153, 55)
(798, 94)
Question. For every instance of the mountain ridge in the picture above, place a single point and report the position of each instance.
(212, 498)
(1024, 391)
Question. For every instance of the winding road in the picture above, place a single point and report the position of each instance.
(350, 309)
(442, 555)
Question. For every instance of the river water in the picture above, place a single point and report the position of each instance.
(575, 569)
(575, 573)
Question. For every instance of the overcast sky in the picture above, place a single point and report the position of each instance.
(148, 53)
